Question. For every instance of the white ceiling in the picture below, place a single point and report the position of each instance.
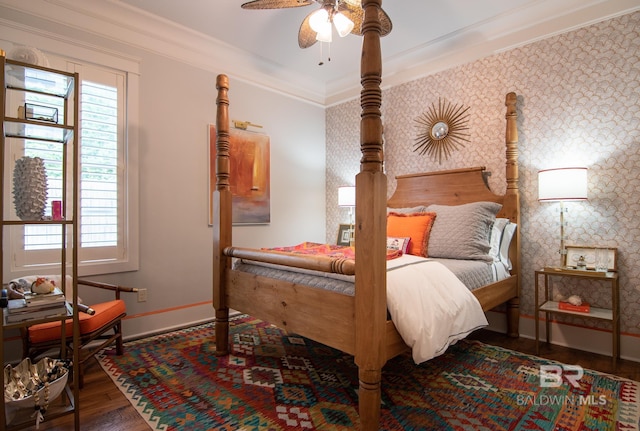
(261, 45)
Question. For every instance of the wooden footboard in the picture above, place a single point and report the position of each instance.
(311, 262)
(320, 315)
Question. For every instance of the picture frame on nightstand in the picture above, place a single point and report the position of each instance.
(344, 235)
(587, 254)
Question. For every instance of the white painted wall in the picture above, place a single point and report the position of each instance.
(177, 101)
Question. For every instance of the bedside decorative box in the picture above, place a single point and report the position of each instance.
(599, 259)
(567, 306)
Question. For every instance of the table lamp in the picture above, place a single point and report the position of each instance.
(347, 198)
(562, 184)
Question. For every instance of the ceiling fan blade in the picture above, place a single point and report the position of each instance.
(306, 35)
(356, 14)
(275, 4)
(385, 22)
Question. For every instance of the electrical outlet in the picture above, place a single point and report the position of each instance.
(142, 295)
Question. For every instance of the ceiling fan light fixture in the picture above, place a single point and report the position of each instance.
(343, 24)
(324, 34)
(319, 20)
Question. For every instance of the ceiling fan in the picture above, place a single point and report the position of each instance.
(346, 16)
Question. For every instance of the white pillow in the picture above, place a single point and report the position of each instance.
(396, 243)
(507, 236)
(496, 237)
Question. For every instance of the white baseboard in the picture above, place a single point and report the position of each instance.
(168, 321)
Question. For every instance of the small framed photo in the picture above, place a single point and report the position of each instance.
(344, 235)
(591, 258)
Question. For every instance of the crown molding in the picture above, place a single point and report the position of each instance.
(536, 21)
(116, 21)
(120, 23)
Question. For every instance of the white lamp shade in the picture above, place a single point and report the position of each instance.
(347, 196)
(562, 184)
(343, 24)
(324, 34)
(319, 19)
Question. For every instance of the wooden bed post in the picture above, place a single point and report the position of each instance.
(513, 195)
(222, 216)
(370, 228)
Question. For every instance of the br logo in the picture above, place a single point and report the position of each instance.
(552, 376)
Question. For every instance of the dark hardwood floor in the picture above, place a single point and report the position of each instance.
(592, 361)
(104, 408)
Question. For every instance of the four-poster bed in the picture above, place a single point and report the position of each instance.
(357, 324)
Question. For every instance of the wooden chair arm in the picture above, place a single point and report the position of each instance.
(113, 287)
(86, 309)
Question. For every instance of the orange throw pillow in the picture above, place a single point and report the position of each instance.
(417, 226)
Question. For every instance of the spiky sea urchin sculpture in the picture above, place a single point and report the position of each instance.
(30, 188)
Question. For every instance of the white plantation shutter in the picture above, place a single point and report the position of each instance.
(44, 237)
(100, 162)
(38, 240)
(103, 177)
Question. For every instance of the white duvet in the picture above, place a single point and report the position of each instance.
(430, 306)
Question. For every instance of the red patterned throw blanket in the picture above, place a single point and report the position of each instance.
(338, 251)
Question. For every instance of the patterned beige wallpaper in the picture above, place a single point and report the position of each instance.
(578, 97)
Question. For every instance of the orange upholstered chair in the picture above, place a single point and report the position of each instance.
(100, 326)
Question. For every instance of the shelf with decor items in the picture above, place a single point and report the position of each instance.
(603, 277)
(39, 119)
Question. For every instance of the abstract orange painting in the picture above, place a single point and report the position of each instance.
(249, 175)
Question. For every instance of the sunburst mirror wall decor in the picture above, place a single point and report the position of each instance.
(442, 130)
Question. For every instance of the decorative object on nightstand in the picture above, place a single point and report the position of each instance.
(598, 261)
(344, 235)
(347, 198)
(575, 304)
(562, 184)
(572, 303)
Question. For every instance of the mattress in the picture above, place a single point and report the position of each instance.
(472, 273)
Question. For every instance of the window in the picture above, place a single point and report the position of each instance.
(99, 160)
(107, 180)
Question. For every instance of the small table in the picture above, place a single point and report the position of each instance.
(549, 306)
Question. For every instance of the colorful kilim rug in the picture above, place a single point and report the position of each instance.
(276, 381)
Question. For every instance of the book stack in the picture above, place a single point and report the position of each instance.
(37, 306)
(567, 306)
